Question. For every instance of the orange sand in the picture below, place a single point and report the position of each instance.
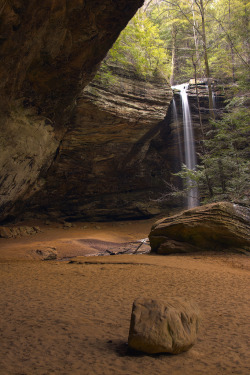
(60, 318)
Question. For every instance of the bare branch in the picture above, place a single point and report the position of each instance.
(184, 14)
(231, 42)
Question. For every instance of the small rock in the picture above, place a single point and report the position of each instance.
(163, 326)
(48, 253)
(5, 232)
(67, 225)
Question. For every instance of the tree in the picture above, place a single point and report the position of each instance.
(141, 47)
(175, 31)
(202, 10)
(227, 159)
(228, 39)
(181, 39)
(228, 152)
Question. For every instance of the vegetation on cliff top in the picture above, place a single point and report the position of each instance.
(165, 38)
(181, 39)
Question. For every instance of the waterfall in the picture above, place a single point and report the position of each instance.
(189, 146)
(214, 99)
(178, 130)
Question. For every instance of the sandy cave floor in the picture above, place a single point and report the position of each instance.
(73, 318)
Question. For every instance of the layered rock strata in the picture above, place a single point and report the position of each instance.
(49, 52)
(111, 164)
(214, 227)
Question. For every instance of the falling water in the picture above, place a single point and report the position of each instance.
(214, 100)
(189, 147)
(178, 130)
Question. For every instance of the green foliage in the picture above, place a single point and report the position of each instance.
(166, 38)
(174, 26)
(225, 166)
(141, 46)
(105, 76)
(227, 159)
(161, 27)
(190, 178)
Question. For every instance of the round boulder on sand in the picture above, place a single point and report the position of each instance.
(158, 326)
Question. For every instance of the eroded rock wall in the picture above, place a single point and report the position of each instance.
(111, 164)
(49, 52)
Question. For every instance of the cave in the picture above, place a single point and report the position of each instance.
(86, 161)
(50, 51)
(73, 148)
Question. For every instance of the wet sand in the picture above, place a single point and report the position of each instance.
(73, 318)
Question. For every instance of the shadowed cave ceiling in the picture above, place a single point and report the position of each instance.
(68, 152)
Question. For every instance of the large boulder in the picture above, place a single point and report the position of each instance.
(216, 226)
(163, 326)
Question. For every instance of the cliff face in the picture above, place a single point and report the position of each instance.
(99, 153)
(109, 164)
(49, 52)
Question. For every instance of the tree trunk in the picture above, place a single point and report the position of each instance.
(204, 45)
(174, 34)
(231, 46)
(222, 177)
(209, 185)
(196, 40)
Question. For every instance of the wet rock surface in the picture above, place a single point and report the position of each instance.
(104, 248)
(216, 226)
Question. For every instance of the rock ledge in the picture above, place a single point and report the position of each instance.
(216, 226)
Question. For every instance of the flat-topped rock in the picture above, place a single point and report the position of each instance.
(216, 226)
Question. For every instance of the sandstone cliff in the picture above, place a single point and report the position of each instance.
(101, 153)
(214, 227)
(49, 52)
(110, 164)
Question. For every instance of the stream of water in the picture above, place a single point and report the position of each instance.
(178, 131)
(189, 145)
